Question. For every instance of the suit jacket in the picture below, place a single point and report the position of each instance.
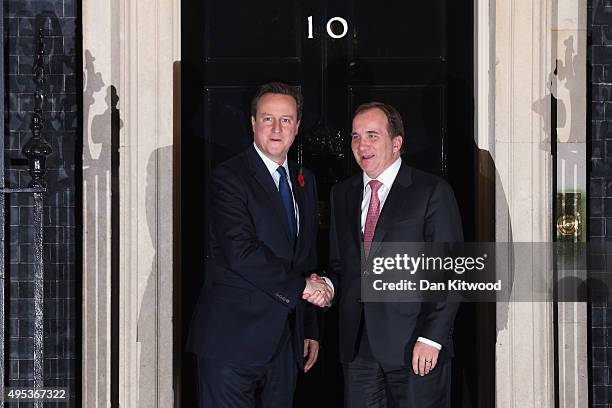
(251, 299)
(420, 207)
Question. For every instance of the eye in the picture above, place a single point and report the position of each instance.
(267, 119)
(354, 136)
(286, 120)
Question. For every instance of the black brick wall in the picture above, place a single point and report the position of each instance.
(58, 19)
(600, 180)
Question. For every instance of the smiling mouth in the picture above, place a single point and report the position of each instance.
(367, 157)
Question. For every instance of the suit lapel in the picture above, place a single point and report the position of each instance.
(262, 175)
(354, 200)
(298, 194)
(393, 206)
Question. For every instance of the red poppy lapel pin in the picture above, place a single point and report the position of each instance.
(300, 177)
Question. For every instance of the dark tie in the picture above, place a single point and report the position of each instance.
(285, 192)
(372, 217)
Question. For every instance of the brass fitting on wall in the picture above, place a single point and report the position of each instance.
(568, 217)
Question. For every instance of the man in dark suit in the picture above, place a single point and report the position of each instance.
(393, 354)
(252, 328)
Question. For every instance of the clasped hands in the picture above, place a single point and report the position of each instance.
(317, 291)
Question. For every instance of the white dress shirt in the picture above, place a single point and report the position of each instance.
(272, 166)
(387, 178)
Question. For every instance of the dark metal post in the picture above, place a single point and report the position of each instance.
(36, 150)
(2, 216)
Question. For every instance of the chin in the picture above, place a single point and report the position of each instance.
(277, 152)
(367, 168)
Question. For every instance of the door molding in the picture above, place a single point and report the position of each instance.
(129, 52)
(518, 43)
(133, 47)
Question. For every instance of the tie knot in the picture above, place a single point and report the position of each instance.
(375, 185)
(281, 170)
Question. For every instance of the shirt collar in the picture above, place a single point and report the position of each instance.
(388, 176)
(271, 165)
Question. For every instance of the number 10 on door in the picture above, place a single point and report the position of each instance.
(328, 27)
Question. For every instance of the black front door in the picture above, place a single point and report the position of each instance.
(416, 55)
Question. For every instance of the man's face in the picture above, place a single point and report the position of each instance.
(372, 146)
(275, 125)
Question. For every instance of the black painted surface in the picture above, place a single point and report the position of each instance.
(22, 20)
(600, 187)
(415, 55)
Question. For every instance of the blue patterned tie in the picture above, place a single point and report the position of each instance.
(285, 192)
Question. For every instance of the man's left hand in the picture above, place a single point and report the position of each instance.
(424, 358)
(311, 349)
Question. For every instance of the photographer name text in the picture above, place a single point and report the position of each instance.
(426, 285)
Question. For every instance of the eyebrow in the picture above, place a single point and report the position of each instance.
(282, 116)
(367, 132)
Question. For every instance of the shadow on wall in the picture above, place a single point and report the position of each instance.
(566, 72)
(153, 303)
(491, 204)
(101, 206)
(101, 127)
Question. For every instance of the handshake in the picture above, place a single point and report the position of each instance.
(317, 291)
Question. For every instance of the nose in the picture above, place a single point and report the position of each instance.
(276, 126)
(363, 144)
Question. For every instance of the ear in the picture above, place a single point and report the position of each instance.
(253, 122)
(397, 143)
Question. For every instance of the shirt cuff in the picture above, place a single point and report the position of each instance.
(430, 342)
(329, 282)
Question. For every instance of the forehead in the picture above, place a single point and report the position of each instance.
(371, 118)
(277, 103)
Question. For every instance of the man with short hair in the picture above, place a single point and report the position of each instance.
(393, 354)
(252, 326)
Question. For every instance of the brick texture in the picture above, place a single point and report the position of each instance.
(600, 179)
(22, 20)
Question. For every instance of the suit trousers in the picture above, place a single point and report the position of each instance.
(224, 384)
(367, 384)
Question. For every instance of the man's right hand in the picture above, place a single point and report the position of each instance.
(317, 292)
